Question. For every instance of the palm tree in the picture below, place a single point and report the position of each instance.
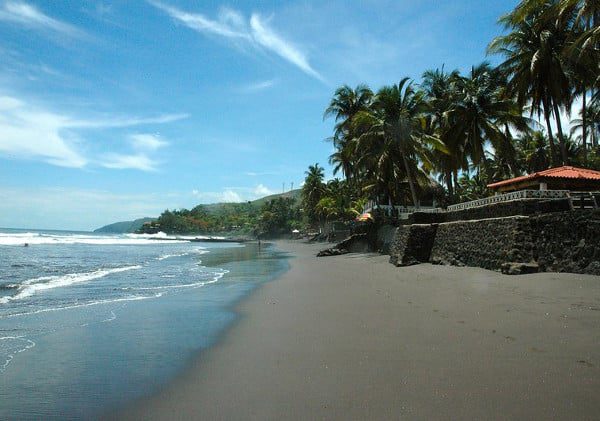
(396, 134)
(535, 62)
(532, 152)
(312, 190)
(440, 91)
(480, 113)
(344, 105)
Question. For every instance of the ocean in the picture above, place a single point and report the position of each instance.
(91, 322)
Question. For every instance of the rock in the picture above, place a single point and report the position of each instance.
(332, 252)
(516, 268)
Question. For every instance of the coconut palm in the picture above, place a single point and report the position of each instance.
(480, 113)
(535, 64)
(312, 190)
(440, 91)
(344, 105)
(395, 140)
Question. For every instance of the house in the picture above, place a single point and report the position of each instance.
(560, 178)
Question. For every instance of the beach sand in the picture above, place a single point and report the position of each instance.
(353, 337)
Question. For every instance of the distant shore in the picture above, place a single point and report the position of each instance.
(353, 337)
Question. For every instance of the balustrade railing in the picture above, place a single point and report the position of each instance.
(507, 197)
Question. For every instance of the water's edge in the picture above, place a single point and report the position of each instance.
(198, 357)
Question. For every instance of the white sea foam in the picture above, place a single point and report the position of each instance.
(199, 250)
(34, 238)
(216, 278)
(91, 303)
(112, 317)
(32, 286)
(19, 344)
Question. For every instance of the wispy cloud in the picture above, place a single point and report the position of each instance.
(226, 196)
(233, 194)
(258, 86)
(73, 208)
(144, 141)
(269, 39)
(30, 16)
(137, 161)
(37, 133)
(143, 145)
(256, 32)
(262, 190)
(116, 122)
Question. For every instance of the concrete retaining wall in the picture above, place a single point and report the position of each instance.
(486, 243)
(557, 242)
(413, 244)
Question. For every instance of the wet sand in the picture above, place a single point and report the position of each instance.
(353, 337)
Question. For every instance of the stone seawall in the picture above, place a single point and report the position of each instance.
(558, 242)
(567, 241)
(486, 243)
(523, 207)
(412, 244)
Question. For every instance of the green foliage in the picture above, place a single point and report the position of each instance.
(470, 130)
(265, 215)
(279, 217)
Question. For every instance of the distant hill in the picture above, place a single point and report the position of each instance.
(132, 226)
(294, 194)
(124, 227)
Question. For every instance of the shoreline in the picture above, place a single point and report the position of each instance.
(354, 337)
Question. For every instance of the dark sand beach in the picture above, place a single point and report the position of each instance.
(353, 337)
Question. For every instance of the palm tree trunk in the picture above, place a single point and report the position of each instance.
(449, 185)
(550, 138)
(584, 125)
(455, 178)
(411, 183)
(561, 136)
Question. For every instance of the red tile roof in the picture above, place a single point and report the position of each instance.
(559, 172)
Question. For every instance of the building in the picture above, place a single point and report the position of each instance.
(560, 178)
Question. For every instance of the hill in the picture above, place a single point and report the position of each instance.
(256, 204)
(223, 209)
(124, 227)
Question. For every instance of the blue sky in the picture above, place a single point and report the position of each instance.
(113, 110)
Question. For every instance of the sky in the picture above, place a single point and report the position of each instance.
(115, 110)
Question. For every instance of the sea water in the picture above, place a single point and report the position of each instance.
(91, 322)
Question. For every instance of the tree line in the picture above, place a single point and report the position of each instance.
(465, 130)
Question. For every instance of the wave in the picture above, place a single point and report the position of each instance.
(88, 304)
(31, 286)
(22, 345)
(199, 250)
(217, 276)
(36, 238)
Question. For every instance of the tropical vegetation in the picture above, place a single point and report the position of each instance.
(461, 131)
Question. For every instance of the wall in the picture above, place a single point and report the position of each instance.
(557, 242)
(486, 243)
(567, 241)
(496, 210)
(386, 235)
(413, 244)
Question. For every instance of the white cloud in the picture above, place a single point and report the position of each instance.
(30, 16)
(258, 86)
(232, 25)
(261, 190)
(69, 208)
(117, 122)
(137, 161)
(226, 196)
(31, 132)
(230, 196)
(269, 39)
(145, 142)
